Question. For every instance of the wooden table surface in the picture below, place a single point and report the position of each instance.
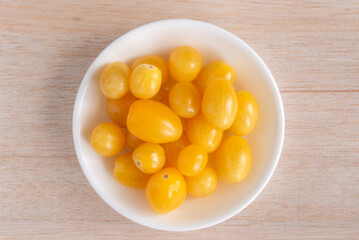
(312, 49)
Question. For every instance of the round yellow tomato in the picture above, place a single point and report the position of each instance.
(145, 81)
(114, 80)
(172, 150)
(155, 61)
(202, 184)
(166, 190)
(214, 70)
(200, 132)
(247, 114)
(185, 99)
(149, 157)
(233, 159)
(117, 109)
(132, 141)
(107, 139)
(184, 63)
(162, 96)
(192, 160)
(219, 103)
(127, 173)
(154, 122)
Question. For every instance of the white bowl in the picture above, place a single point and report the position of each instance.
(266, 140)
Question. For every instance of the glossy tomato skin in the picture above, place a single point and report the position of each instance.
(219, 104)
(145, 81)
(117, 109)
(247, 114)
(149, 157)
(214, 70)
(166, 190)
(202, 184)
(184, 63)
(154, 122)
(200, 131)
(173, 149)
(233, 159)
(192, 160)
(156, 61)
(126, 173)
(114, 80)
(107, 139)
(185, 99)
(132, 141)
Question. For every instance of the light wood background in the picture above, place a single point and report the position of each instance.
(312, 49)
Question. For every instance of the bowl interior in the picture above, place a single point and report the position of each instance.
(213, 43)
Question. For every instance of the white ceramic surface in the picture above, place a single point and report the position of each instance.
(266, 140)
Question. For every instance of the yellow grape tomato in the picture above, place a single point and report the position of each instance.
(192, 160)
(202, 184)
(117, 109)
(154, 60)
(166, 190)
(247, 114)
(127, 173)
(184, 63)
(114, 80)
(185, 99)
(149, 157)
(233, 159)
(107, 139)
(132, 141)
(154, 122)
(213, 70)
(200, 131)
(219, 103)
(172, 150)
(145, 81)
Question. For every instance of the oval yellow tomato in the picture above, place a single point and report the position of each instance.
(233, 159)
(162, 96)
(117, 109)
(202, 184)
(247, 114)
(184, 63)
(154, 122)
(172, 150)
(155, 61)
(145, 81)
(132, 141)
(114, 80)
(107, 139)
(127, 173)
(192, 160)
(166, 190)
(185, 99)
(219, 103)
(200, 132)
(214, 70)
(149, 157)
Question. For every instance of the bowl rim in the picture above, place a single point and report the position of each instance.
(278, 144)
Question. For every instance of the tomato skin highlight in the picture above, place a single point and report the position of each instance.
(233, 159)
(247, 114)
(154, 122)
(166, 190)
(219, 104)
(200, 131)
(214, 70)
(184, 63)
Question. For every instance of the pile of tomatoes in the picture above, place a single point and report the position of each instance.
(174, 115)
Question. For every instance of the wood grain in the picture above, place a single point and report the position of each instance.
(312, 49)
